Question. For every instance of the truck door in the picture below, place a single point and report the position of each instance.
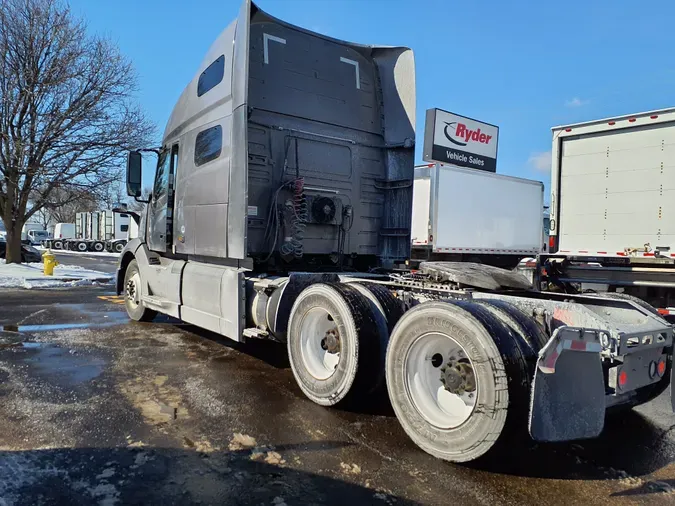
(160, 210)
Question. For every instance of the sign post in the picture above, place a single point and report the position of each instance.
(457, 140)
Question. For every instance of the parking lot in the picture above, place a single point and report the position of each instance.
(94, 408)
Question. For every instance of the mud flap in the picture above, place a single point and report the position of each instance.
(672, 387)
(568, 393)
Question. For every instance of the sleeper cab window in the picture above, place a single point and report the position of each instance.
(211, 76)
(208, 145)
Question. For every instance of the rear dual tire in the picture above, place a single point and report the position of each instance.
(337, 340)
(455, 426)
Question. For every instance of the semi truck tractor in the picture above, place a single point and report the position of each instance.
(461, 214)
(281, 210)
(612, 214)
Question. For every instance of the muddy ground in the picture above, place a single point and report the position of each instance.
(95, 409)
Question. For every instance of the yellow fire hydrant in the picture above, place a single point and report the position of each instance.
(50, 262)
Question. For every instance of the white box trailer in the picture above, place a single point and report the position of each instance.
(613, 206)
(465, 214)
(99, 231)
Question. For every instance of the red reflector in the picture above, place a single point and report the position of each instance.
(623, 378)
(653, 117)
(531, 264)
(612, 123)
(661, 368)
(663, 311)
(551, 242)
(578, 345)
(568, 130)
(431, 238)
(632, 120)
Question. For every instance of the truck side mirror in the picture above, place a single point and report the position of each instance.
(134, 171)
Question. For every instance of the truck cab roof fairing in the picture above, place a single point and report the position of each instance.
(188, 108)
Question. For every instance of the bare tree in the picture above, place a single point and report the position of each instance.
(63, 205)
(43, 217)
(67, 113)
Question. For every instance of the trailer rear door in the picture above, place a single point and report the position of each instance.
(617, 190)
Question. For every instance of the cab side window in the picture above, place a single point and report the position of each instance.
(208, 145)
(162, 176)
(212, 76)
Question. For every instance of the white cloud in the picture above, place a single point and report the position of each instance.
(541, 162)
(576, 102)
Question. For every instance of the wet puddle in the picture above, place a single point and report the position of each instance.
(59, 365)
(106, 319)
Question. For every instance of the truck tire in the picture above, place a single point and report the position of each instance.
(57, 244)
(81, 247)
(455, 373)
(98, 246)
(333, 344)
(118, 247)
(132, 295)
(388, 310)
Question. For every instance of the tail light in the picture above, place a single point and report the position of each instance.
(623, 378)
(552, 243)
(661, 367)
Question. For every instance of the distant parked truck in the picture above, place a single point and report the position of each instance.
(33, 233)
(62, 232)
(476, 216)
(99, 231)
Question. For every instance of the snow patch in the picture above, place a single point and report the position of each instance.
(31, 276)
(80, 253)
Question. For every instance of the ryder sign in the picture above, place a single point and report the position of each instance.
(458, 140)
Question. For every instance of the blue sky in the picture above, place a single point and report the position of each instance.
(522, 65)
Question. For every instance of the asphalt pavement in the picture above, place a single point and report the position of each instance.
(96, 409)
(107, 264)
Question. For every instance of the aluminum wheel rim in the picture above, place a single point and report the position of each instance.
(133, 285)
(438, 406)
(319, 362)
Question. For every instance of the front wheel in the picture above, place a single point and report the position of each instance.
(132, 295)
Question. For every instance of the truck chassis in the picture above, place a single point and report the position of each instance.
(468, 353)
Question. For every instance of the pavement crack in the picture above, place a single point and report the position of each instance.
(31, 315)
(361, 441)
